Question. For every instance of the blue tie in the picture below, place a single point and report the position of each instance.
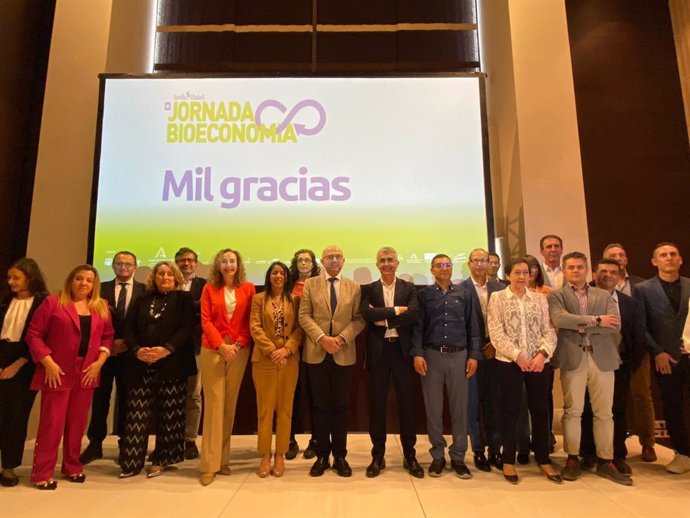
(334, 302)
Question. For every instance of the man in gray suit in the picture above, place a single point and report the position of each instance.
(587, 353)
(665, 301)
(331, 319)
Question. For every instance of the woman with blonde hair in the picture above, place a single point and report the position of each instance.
(275, 364)
(225, 306)
(159, 359)
(69, 338)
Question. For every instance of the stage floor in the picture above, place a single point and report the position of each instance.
(394, 494)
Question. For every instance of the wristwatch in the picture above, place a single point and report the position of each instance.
(598, 319)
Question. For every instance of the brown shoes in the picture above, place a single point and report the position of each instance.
(264, 466)
(648, 454)
(278, 466)
(206, 478)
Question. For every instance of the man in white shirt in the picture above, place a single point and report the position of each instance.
(551, 249)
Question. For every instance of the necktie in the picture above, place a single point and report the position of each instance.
(334, 302)
(122, 301)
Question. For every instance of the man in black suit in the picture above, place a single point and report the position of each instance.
(120, 293)
(187, 261)
(632, 347)
(494, 269)
(665, 301)
(483, 419)
(389, 306)
(641, 378)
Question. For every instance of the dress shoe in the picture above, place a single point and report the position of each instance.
(278, 466)
(648, 454)
(206, 478)
(341, 467)
(622, 466)
(510, 477)
(225, 470)
(608, 470)
(264, 467)
(679, 465)
(571, 471)
(154, 471)
(550, 474)
(128, 474)
(310, 451)
(496, 460)
(461, 469)
(293, 450)
(47, 485)
(79, 478)
(190, 450)
(92, 452)
(8, 478)
(319, 467)
(481, 462)
(437, 467)
(523, 458)
(377, 465)
(413, 467)
(588, 462)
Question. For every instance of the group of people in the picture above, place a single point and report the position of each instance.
(490, 344)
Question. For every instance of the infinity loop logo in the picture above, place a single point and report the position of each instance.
(300, 129)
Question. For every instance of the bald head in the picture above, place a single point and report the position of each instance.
(332, 259)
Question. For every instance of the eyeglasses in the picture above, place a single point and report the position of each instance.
(186, 260)
(304, 261)
(228, 261)
(119, 264)
(479, 261)
(443, 265)
(332, 257)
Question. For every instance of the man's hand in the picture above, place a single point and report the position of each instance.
(489, 351)
(611, 321)
(330, 344)
(118, 347)
(470, 367)
(664, 363)
(420, 365)
(402, 309)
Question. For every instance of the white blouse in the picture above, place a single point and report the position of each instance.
(520, 325)
(15, 319)
(230, 302)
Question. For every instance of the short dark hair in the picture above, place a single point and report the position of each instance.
(294, 271)
(610, 246)
(607, 260)
(549, 236)
(34, 275)
(438, 256)
(288, 283)
(126, 252)
(665, 243)
(574, 255)
(514, 262)
(494, 254)
(186, 250)
(533, 262)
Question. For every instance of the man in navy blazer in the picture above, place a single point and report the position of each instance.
(390, 308)
(665, 301)
(483, 398)
(632, 348)
(120, 293)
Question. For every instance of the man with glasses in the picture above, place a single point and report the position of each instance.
(187, 261)
(483, 398)
(120, 293)
(331, 319)
(447, 344)
(389, 307)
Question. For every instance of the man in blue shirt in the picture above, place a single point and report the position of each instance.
(447, 344)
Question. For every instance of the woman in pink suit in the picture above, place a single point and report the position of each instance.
(69, 339)
(225, 307)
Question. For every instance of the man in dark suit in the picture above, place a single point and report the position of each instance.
(187, 261)
(494, 272)
(120, 293)
(330, 316)
(665, 302)
(641, 378)
(389, 306)
(632, 347)
(483, 398)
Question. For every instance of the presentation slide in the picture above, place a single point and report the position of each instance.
(267, 166)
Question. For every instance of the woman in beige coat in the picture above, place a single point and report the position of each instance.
(275, 364)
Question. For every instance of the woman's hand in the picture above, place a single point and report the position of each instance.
(158, 353)
(537, 363)
(523, 362)
(11, 371)
(91, 373)
(53, 372)
(228, 351)
(280, 356)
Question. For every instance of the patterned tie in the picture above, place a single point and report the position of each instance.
(334, 302)
(122, 301)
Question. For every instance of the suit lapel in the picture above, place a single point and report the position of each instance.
(661, 296)
(72, 312)
(684, 294)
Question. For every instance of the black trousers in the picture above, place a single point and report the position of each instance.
(674, 387)
(392, 364)
(168, 400)
(112, 371)
(330, 392)
(536, 384)
(16, 400)
(302, 387)
(621, 388)
(483, 416)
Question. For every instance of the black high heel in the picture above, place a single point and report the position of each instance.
(48, 485)
(77, 479)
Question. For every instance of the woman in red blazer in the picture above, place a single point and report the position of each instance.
(69, 338)
(225, 306)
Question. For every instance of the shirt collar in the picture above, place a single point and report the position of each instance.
(549, 269)
(383, 283)
(510, 294)
(574, 288)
